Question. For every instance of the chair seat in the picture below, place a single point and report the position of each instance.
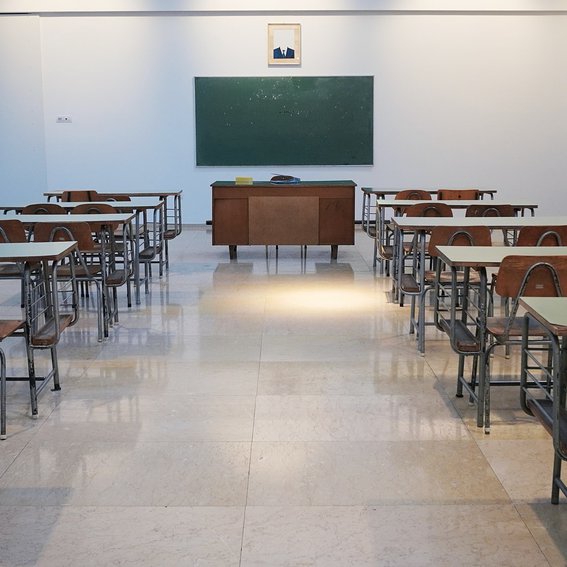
(149, 253)
(409, 284)
(9, 326)
(10, 271)
(499, 326)
(47, 335)
(465, 341)
(446, 277)
(387, 252)
(80, 272)
(117, 278)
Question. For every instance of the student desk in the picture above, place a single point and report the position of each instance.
(421, 226)
(309, 212)
(134, 223)
(543, 391)
(372, 195)
(480, 258)
(171, 201)
(43, 321)
(397, 206)
(148, 233)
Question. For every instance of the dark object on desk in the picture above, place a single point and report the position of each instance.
(284, 179)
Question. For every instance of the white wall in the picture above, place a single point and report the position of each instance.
(22, 151)
(460, 100)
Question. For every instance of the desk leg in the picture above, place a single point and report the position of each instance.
(334, 251)
(422, 296)
(232, 251)
(483, 397)
(136, 241)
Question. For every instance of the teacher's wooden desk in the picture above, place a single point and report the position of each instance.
(304, 213)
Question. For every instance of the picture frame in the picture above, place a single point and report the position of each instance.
(284, 44)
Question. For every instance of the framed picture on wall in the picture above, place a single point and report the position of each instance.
(284, 44)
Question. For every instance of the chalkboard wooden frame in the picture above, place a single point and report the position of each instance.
(284, 120)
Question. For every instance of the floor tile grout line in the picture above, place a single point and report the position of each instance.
(252, 437)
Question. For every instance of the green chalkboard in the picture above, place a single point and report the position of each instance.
(284, 120)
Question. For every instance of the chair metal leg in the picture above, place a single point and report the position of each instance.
(31, 377)
(2, 395)
(556, 479)
(55, 366)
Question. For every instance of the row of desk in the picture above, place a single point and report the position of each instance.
(464, 320)
(143, 218)
(372, 196)
(142, 223)
(397, 207)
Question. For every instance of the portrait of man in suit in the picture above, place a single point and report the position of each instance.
(283, 44)
(284, 53)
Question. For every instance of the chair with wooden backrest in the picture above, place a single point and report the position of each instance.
(43, 209)
(463, 341)
(537, 236)
(413, 195)
(385, 245)
(488, 210)
(439, 278)
(432, 209)
(542, 236)
(173, 223)
(528, 276)
(79, 195)
(90, 263)
(117, 248)
(12, 230)
(409, 282)
(452, 194)
(113, 197)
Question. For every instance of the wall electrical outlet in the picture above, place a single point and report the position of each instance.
(63, 120)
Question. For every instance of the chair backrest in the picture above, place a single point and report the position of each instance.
(432, 209)
(43, 209)
(532, 276)
(93, 208)
(113, 197)
(458, 236)
(54, 232)
(542, 236)
(96, 209)
(453, 194)
(79, 195)
(489, 210)
(413, 195)
(12, 230)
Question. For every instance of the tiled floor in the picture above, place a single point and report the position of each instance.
(269, 412)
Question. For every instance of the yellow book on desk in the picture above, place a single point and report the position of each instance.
(244, 180)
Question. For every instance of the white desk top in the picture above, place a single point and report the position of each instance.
(137, 203)
(35, 251)
(549, 311)
(454, 203)
(428, 223)
(492, 256)
(109, 218)
(172, 193)
(394, 191)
